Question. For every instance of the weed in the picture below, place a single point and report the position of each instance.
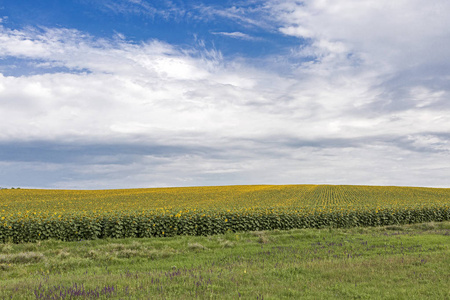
(196, 247)
(22, 257)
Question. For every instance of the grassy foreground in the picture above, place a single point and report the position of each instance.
(392, 262)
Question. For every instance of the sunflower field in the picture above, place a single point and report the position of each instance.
(28, 215)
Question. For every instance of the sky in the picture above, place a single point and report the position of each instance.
(106, 94)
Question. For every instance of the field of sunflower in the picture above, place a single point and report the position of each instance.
(30, 215)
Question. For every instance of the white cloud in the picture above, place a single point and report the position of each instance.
(363, 101)
(400, 33)
(243, 15)
(166, 10)
(135, 87)
(237, 35)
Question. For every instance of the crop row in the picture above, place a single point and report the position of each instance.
(75, 227)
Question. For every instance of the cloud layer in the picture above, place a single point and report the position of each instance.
(362, 99)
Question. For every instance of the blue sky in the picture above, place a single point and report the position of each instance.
(231, 26)
(135, 93)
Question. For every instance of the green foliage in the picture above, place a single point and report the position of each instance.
(258, 208)
(74, 227)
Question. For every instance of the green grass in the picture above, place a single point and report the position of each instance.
(393, 262)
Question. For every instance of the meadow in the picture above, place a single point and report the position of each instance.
(387, 262)
(70, 215)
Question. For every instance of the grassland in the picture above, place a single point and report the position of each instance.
(390, 262)
(33, 215)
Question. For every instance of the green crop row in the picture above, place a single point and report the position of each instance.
(73, 227)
